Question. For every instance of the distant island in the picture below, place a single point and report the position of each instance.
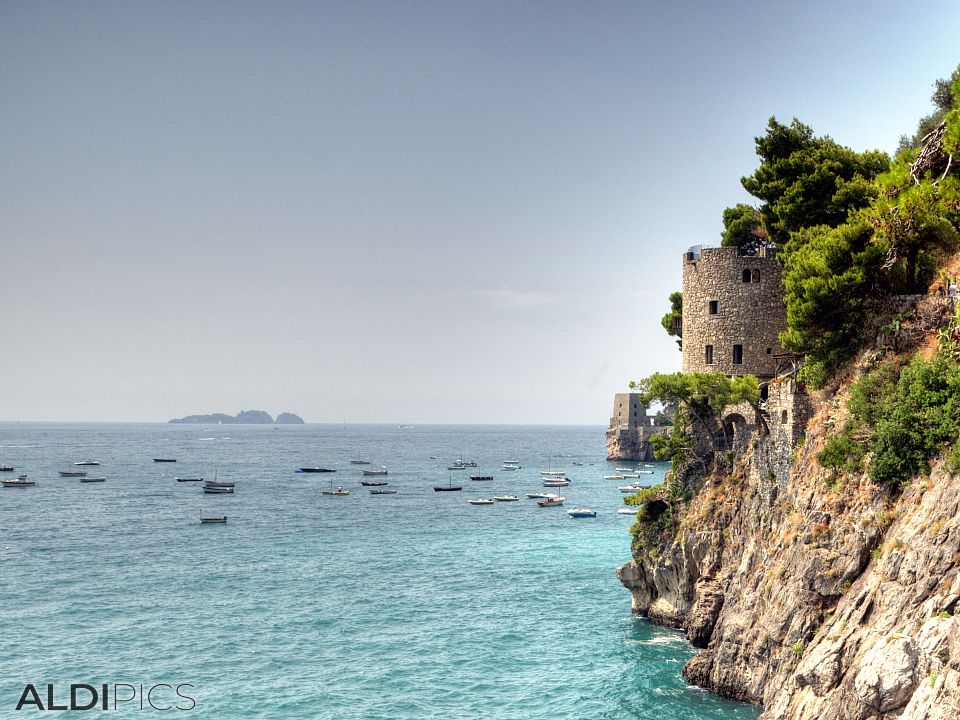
(244, 417)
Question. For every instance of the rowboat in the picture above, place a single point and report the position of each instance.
(93, 479)
(213, 520)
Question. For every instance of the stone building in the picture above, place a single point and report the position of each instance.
(733, 311)
(628, 437)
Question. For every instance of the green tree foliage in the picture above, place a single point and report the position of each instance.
(673, 321)
(805, 180)
(831, 278)
(743, 227)
(699, 395)
(840, 268)
(946, 92)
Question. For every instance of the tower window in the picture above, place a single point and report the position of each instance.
(738, 354)
(708, 355)
(769, 350)
(783, 416)
(746, 275)
(755, 276)
(714, 307)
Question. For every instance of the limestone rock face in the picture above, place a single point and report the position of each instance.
(812, 599)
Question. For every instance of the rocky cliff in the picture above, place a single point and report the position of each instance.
(815, 595)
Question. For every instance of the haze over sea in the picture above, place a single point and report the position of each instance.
(415, 605)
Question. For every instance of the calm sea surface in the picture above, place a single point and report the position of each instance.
(410, 606)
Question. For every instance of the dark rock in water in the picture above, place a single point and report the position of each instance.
(244, 417)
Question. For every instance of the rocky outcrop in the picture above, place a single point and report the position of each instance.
(632, 442)
(816, 596)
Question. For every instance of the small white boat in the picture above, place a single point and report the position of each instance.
(93, 479)
(613, 477)
(86, 462)
(381, 471)
(559, 482)
(553, 473)
(509, 467)
(627, 511)
(645, 472)
(506, 498)
(456, 466)
(625, 489)
(582, 513)
(554, 501)
(73, 473)
(480, 501)
(540, 495)
(629, 476)
(359, 462)
(624, 469)
(339, 492)
(383, 492)
(20, 481)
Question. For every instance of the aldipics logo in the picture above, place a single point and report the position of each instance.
(118, 696)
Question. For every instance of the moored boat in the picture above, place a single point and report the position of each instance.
(554, 501)
(213, 520)
(166, 460)
(480, 501)
(383, 492)
(629, 489)
(189, 479)
(449, 487)
(7, 468)
(380, 471)
(505, 498)
(87, 462)
(582, 513)
(359, 462)
(73, 473)
(93, 479)
(218, 487)
(481, 478)
(618, 476)
(373, 483)
(20, 481)
(339, 492)
(315, 470)
(627, 511)
(556, 482)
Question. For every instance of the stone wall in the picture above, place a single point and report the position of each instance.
(721, 310)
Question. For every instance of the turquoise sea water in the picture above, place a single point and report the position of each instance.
(416, 605)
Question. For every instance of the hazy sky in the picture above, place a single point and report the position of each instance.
(396, 211)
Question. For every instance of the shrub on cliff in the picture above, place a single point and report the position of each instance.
(903, 415)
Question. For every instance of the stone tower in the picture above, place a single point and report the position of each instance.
(733, 311)
(628, 437)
